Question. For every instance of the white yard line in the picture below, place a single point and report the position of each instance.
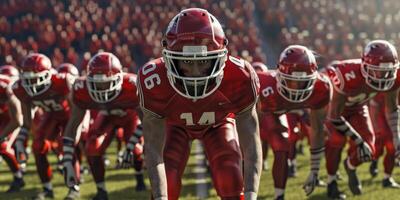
(201, 172)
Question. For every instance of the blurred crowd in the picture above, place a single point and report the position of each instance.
(73, 30)
(333, 29)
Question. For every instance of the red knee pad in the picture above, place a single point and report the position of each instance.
(41, 146)
(119, 134)
(278, 141)
(92, 148)
(335, 139)
(227, 175)
(3, 146)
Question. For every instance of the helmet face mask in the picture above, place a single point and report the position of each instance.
(36, 83)
(296, 74)
(102, 88)
(296, 87)
(194, 36)
(195, 86)
(104, 78)
(379, 65)
(380, 78)
(36, 73)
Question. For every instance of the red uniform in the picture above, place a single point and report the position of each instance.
(274, 104)
(5, 147)
(209, 119)
(347, 79)
(383, 134)
(56, 110)
(118, 113)
(277, 129)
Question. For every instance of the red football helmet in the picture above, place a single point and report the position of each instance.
(10, 71)
(104, 77)
(36, 71)
(380, 64)
(296, 73)
(194, 35)
(68, 68)
(259, 67)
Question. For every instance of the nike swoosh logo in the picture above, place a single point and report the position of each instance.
(222, 103)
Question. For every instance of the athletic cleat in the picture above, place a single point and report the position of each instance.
(292, 171)
(334, 192)
(16, 185)
(101, 195)
(140, 185)
(45, 194)
(72, 194)
(373, 168)
(390, 183)
(354, 183)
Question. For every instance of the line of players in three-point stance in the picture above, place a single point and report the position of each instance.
(198, 91)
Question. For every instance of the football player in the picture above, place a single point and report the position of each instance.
(384, 140)
(355, 82)
(10, 121)
(198, 91)
(113, 93)
(296, 84)
(40, 86)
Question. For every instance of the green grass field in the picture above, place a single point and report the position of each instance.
(120, 183)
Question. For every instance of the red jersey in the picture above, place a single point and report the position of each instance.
(271, 101)
(238, 90)
(347, 79)
(54, 99)
(127, 98)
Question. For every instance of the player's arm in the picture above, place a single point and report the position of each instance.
(343, 127)
(71, 134)
(393, 116)
(317, 148)
(15, 113)
(77, 115)
(20, 151)
(317, 118)
(154, 136)
(249, 138)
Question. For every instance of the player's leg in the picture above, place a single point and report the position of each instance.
(40, 148)
(129, 125)
(224, 155)
(389, 161)
(333, 150)
(361, 122)
(99, 138)
(7, 153)
(176, 154)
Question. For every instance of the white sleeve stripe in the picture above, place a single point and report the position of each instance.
(141, 99)
(340, 77)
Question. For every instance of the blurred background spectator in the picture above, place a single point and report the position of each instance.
(334, 29)
(73, 30)
(258, 30)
